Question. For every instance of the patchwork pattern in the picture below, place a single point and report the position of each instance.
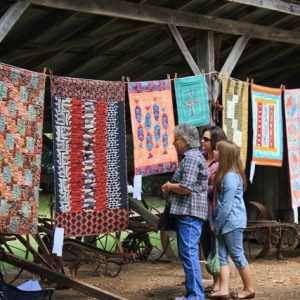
(267, 126)
(192, 100)
(152, 121)
(292, 116)
(235, 113)
(21, 128)
(90, 156)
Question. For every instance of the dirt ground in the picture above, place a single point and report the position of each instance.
(164, 281)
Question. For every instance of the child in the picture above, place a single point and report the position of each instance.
(231, 219)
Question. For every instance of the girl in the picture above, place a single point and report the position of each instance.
(231, 220)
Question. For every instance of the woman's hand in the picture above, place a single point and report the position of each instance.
(166, 187)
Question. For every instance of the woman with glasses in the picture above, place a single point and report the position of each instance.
(187, 194)
(210, 137)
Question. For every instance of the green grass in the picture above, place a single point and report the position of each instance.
(44, 211)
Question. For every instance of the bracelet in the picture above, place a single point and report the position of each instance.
(170, 190)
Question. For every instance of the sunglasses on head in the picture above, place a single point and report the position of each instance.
(205, 139)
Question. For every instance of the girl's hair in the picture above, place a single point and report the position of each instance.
(216, 134)
(229, 161)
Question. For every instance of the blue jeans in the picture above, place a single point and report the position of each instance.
(188, 235)
(231, 243)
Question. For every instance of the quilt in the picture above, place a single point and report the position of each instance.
(267, 126)
(292, 116)
(192, 100)
(152, 122)
(21, 128)
(235, 113)
(90, 156)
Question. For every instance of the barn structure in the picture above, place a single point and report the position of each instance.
(148, 39)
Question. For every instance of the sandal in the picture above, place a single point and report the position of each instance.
(209, 289)
(235, 295)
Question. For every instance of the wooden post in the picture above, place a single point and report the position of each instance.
(206, 61)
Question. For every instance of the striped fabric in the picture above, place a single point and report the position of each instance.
(267, 126)
(235, 113)
(90, 156)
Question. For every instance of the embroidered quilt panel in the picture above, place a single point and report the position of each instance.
(192, 100)
(90, 157)
(267, 125)
(235, 113)
(152, 121)
(292, 116)
(21, 128)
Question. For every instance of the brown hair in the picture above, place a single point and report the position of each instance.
(216, 134)
(229, 161)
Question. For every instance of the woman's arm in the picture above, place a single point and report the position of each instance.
(230, 184)
(175, 188)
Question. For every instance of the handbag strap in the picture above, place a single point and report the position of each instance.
(217, 245)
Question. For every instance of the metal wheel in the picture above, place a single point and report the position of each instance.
(139, 243)
(289, 239)
(12, 245)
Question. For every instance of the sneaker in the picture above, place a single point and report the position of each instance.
(180, 298)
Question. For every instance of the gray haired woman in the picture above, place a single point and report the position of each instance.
(187, 194)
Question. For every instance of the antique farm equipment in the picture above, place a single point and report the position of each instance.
(269, 234)
(46, 265)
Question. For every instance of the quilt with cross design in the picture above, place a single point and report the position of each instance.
(90, 156)
(21, 128)
(192, 100)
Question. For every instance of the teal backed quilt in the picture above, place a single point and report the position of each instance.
(192, 100)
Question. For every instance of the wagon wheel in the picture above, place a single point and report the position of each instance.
(169, 245)
(289, 239)
(111, 266)
(11, 245)
(138, 243)
(106, 241)
(257, 243)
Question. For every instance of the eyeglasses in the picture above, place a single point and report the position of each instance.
(206, 139)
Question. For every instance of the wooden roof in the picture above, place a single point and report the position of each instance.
(106, 39)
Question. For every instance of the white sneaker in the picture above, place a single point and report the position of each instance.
(180, 298)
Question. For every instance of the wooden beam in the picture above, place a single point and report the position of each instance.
(10, 18)
(184, 50)
(80, 286)
(41, 49)
(277, 5)
(234, 55)
(140, 50)
(156, 63)
(161, 15)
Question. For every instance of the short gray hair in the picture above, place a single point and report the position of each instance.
(189, 133)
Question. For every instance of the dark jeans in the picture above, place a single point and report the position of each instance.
(188, 235)
(206, 239)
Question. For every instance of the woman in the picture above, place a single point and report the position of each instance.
(231, 220)
(210, 136)
(187, 194)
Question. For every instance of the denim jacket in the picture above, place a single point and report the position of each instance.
(231, 211)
